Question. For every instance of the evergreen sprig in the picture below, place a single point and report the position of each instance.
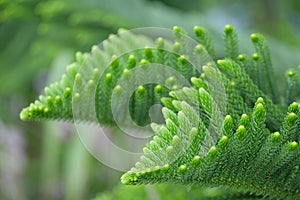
(248, 157)
(247, 139)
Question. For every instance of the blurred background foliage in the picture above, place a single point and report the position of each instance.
(38, 38)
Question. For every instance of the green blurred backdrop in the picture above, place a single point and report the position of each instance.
(38, 38)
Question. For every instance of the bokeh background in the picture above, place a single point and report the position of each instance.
(39, 38)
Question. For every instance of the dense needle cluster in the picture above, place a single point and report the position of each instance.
(246, 139)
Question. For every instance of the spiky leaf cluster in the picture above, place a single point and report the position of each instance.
(246, 139)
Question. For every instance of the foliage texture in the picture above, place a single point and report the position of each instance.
(252, 147)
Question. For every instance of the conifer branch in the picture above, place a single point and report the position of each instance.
(237, 135)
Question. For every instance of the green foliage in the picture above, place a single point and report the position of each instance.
(252, 158)
(265, 68)
(204, 38)
(253, 149)
(231, 42)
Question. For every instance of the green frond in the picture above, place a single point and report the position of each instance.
(97, 74)
(102, 69)
(204, 38)
(257, 72)
(244, 61)
(250, 91)
(223, 126)
(292, 81)
(290, 126)
(249, 160)
(268, 84)
(231, 42)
